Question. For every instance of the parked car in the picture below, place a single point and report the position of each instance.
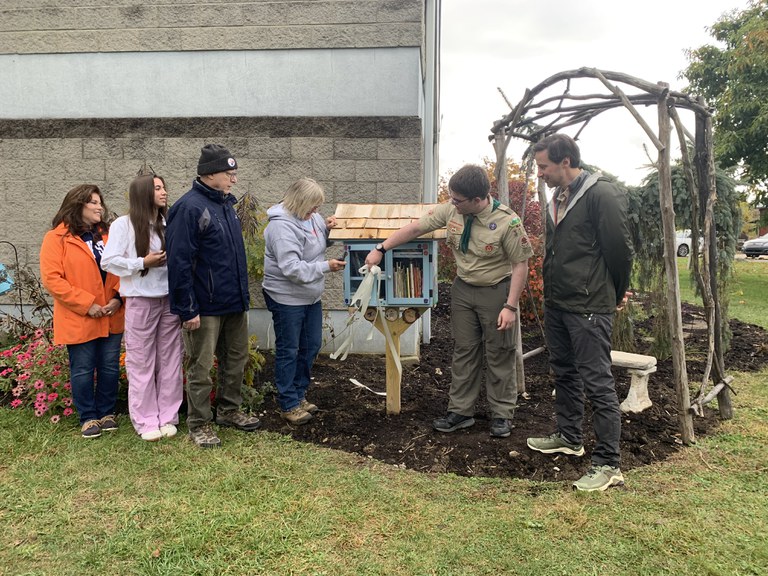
(683, 243)
(756, 247)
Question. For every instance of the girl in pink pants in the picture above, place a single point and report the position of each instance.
(135, 252)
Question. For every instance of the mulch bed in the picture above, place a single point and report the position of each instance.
(355, 420)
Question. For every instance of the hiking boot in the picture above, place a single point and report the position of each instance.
(296, 416)
(308, 406)
(108, 423)
(555, 444)
(500, 428)
(238, 419)
(152, 435)
(168, 430)
(599, 478)
(204, 437)
(91, 429)
(452, 421)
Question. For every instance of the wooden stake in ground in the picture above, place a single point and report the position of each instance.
(395, 326)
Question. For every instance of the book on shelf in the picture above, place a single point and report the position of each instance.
(407, 279)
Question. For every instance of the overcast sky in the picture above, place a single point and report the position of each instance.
(514, 45)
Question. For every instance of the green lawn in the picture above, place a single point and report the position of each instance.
(749, 290)
(264, 504)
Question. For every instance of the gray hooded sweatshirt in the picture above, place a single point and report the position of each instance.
(294, 257)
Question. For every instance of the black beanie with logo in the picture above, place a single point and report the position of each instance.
(215, 158)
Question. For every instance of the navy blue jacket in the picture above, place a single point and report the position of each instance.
(207, 272)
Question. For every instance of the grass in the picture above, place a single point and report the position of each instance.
(748, 294)
(264, 504)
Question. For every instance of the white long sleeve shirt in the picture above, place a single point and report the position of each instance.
(120, 259)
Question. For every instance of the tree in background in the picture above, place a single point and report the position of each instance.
(734, 80)
(645, 218)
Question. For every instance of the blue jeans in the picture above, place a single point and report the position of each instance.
(94, 369)
(298, 339)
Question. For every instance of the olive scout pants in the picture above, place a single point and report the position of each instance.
(474, 312)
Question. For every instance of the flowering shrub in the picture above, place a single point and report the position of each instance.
(36, 373)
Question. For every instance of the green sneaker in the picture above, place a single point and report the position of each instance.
(599, 478)
(555, 444)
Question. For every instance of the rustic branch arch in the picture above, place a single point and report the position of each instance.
(538, 115)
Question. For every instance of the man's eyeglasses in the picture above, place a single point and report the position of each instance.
(456, 201)
(231, 175)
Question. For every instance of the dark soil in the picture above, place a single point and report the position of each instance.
(354, 420)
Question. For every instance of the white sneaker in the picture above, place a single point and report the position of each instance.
(168, 430)
(152, 436)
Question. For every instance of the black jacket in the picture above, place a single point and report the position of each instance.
(588, 259)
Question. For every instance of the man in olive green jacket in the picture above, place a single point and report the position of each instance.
(587, 268)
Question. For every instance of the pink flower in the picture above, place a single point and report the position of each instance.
(17, 391)
(55, 384)
(68, 386)
(23, 377)
(6, 372)
(41, 397)
(67, 411)
(67, 401)
(55, 419)
(39, 412)
(15, 403)
(52, 396)
(55, 372)
(39, 333)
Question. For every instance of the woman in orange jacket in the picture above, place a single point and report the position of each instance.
(87, 310)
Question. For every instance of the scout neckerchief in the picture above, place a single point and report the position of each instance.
(464, 241)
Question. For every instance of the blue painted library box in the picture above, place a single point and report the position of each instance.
(408, 273)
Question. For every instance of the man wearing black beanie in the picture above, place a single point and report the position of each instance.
(208, 290)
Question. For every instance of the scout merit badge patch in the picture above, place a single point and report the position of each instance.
(492, 225)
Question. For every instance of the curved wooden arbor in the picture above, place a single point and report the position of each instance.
(538, 115)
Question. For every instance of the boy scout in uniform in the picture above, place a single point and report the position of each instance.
(491, 250)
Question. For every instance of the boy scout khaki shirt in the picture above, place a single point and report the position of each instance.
(497, 240)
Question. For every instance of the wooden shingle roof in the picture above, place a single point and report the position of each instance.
(378, 221)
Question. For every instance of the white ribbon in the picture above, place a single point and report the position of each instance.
(359, 303)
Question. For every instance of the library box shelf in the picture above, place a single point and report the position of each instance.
(408, 273)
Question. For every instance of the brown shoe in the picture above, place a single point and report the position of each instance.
(204, 437)
(238, 419)
(308, 406)
(296, 416)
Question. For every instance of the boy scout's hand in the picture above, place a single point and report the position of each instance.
(506, 319)
(373, 258)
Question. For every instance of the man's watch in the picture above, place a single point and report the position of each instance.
(380, 248)
(509, 307)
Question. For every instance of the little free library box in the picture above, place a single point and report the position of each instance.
(407, 285)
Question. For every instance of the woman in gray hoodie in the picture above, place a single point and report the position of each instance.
(294, 279)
